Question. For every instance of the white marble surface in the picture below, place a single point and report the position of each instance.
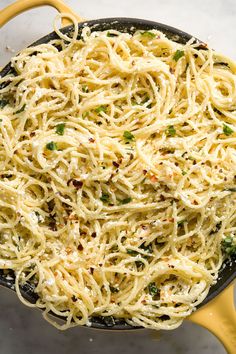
(22, 330)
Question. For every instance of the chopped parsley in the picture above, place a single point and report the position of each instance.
(181, 222)
(108, 320)
(21, 109)
(126, 200)
(100, 109)
(231, 189)
(228, 246)
(128, 136)
(114, 290)
(152, 289)
(184, 172)
(60, 128)
(85, 88)
(131, 252)
(148, 34)
(104, 198)
(171, 130)
(227, 130)
(178, 54)
(3, 103)
(51, 146)
(39, 216)
(216, 228)
(147, 248)
(109, 34)
(139, 264)
(85, 114)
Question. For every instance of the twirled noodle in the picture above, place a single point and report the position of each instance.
(117, 159)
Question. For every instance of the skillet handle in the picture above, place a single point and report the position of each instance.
(20, 6)
(219, 317)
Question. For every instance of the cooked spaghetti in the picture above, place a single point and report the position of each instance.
(117, 181)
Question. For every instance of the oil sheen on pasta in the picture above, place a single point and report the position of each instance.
(118, 166)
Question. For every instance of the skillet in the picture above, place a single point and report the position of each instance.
(222, 305)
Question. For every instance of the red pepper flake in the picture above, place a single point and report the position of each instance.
(91, 140)
(153, 179)
(195, 202)
(202, 46)
(74, 298)
(144, 172)
(80, 248)
(94, 234)
(77, 184)
(114, 163)
(52, 225)
(91, 270)
(144, 227)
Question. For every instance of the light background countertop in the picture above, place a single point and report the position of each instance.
(22, 330)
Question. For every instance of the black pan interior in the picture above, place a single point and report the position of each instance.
(130, 25)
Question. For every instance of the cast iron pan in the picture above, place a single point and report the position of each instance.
(130, 25)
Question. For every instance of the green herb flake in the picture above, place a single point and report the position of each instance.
(139, 264)
(184, 172)
(131, 252)
(104, 198)
(147, 248)
(3, 103)
(148, 34)
(152, 289)
(231, 189)
(60, 129)
(218, 226)
(51, 146)
(39, 217)
(181, 223)
(100, 109)
(109, 34)
(85, 88)
(171, 130)
(229, 246)
(114, 290)
(178, 54)
(126, 200)
(128, 136)
(21, 109)
(85, 114)
(227, 130)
